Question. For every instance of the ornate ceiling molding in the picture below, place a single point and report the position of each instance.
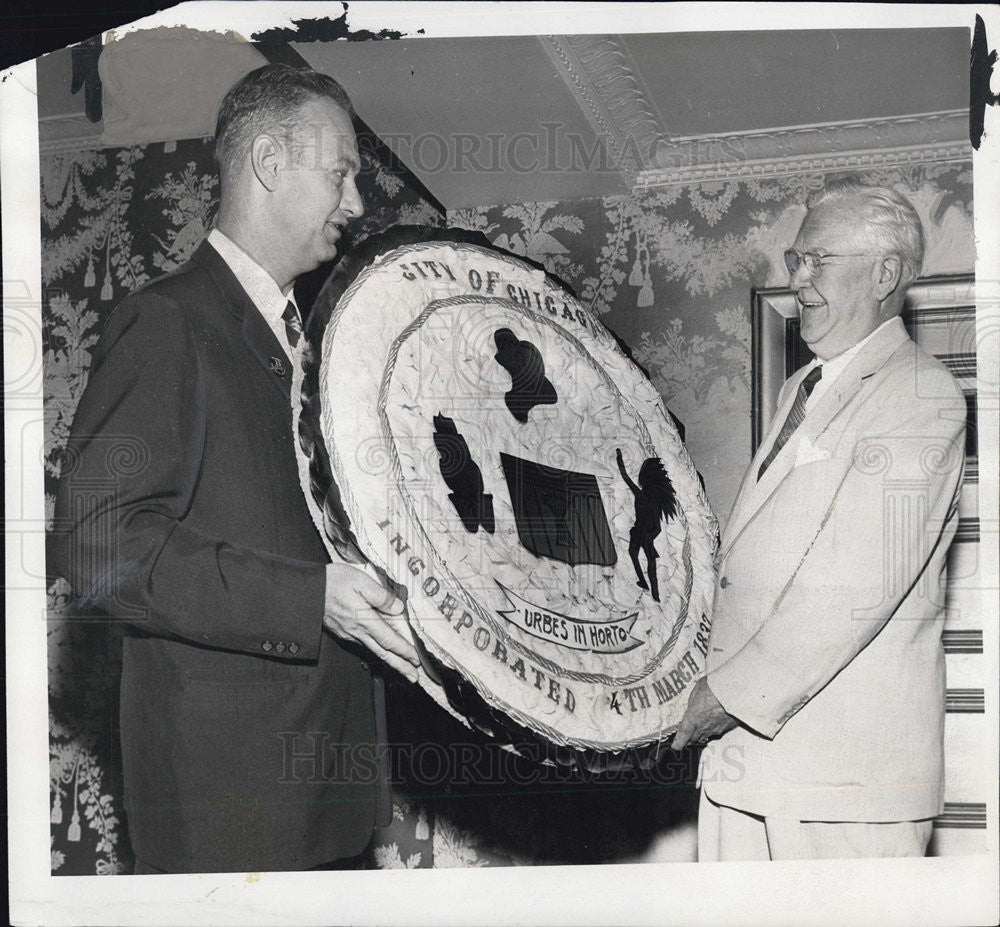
(598, 73)
(60, 134)
(854, 145)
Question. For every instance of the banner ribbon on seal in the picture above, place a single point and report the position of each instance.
(566, 631)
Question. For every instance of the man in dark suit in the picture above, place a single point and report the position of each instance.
(248, 733)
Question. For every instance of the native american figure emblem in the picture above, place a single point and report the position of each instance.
(654, 499)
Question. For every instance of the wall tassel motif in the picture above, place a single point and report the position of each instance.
(646, 293)
(107, 293)
(640, 271)
(636, 278)
(422, 831)
(90, 279)
(73, 833)
(56, 817)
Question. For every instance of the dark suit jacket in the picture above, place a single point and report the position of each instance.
(247, 731)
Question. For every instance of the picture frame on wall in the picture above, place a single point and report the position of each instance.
(940, 316)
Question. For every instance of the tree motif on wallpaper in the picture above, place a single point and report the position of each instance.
(389, 202)
(460, 847)
(455, 847)
(532, 233)
(678, 362)
(380, 218)
(599, 292)
(705, 264)
(391, 184)
(474, 218)
(192, 205)
(536, 236)
(387, 857)
(734, 347)
(72, 331)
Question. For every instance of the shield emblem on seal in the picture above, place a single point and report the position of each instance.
(559, 513)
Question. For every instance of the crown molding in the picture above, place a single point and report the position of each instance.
(599, 75)
(853, 145)
(62, 134)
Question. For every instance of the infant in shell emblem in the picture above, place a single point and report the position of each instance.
(482, 429)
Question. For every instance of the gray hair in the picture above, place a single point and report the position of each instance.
(887, 219)
(269, 99)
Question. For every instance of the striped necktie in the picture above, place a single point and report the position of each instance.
(795, 416)
(293, 325)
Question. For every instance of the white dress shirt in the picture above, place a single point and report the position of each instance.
(834, 367)
(259, 285)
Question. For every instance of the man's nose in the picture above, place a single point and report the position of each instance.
(801, 278)
(352, 202)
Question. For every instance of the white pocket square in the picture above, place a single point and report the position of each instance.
(807, 453)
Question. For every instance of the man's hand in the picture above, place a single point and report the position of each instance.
(704, 718)
(360, 609)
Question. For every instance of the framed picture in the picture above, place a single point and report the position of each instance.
(940, 316)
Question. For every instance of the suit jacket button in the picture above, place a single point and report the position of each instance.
(279, 647)
(364, 665)
(723, 582)
(267, 646)
(293, 648)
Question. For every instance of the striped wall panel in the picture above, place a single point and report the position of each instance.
(962, 815)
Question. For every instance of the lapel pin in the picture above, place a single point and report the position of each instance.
(277, 367)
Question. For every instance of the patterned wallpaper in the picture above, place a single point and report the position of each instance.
(671, 270)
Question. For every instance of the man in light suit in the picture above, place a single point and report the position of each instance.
(247, 718)
(823, 698)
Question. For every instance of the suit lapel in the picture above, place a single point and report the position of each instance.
(256, 332)
(745, 505)
(748, 483)
(753, 493)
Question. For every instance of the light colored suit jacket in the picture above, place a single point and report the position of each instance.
(830, 599)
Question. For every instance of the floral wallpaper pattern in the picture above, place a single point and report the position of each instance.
(671, 269)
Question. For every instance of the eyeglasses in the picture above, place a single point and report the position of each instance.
(814, 262)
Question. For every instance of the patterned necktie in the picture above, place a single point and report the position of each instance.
(293, 326)
(795, 416)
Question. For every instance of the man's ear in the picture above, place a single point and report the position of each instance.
(265, 158)
(890, 271)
